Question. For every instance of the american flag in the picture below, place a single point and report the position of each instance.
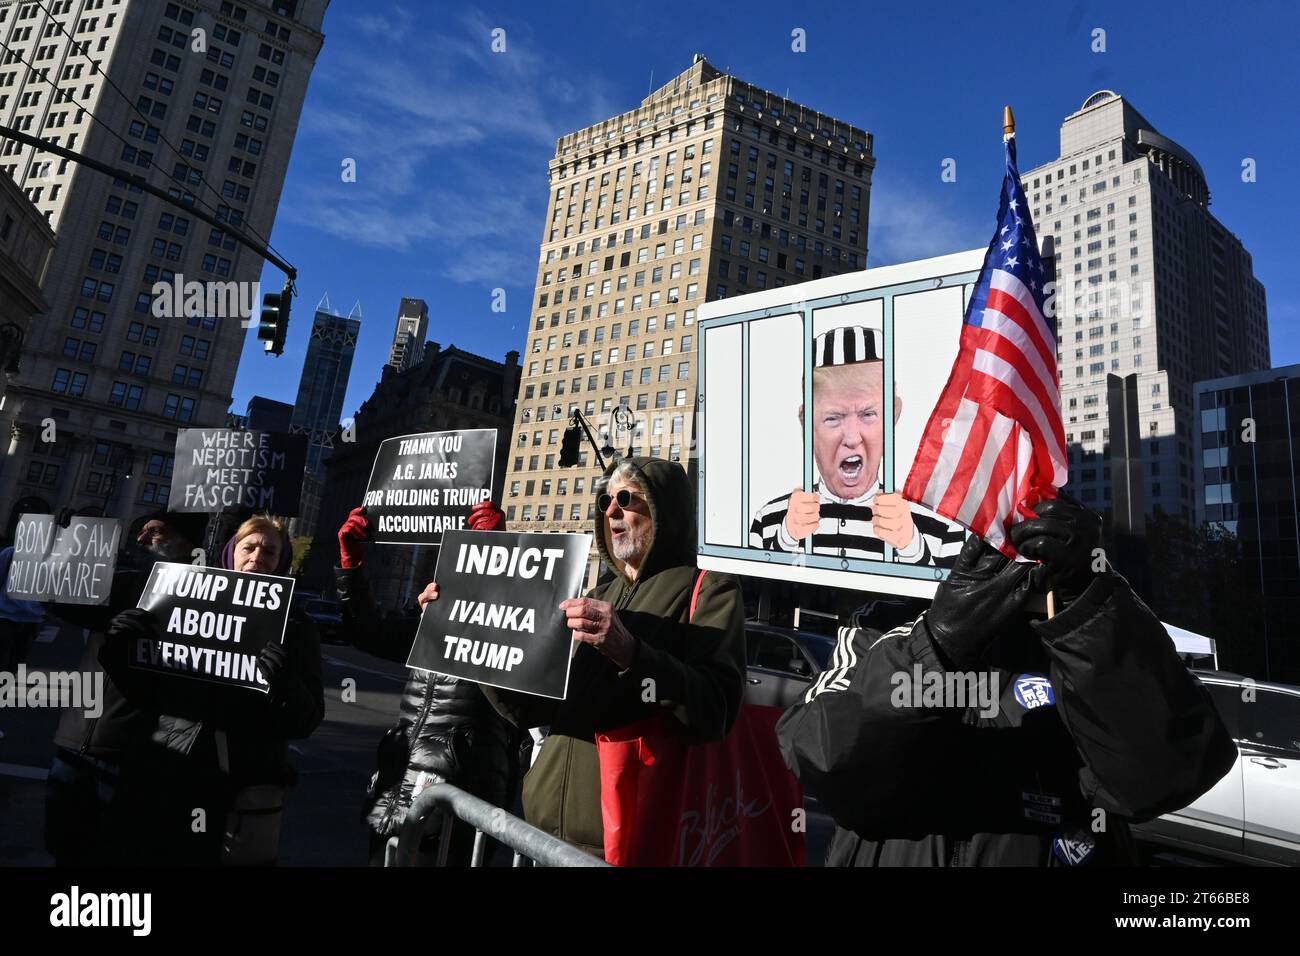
(995, 437)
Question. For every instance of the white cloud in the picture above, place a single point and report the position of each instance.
(908, 221)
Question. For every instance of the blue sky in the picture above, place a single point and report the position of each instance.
(451, 140)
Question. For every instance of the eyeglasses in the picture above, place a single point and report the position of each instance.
(624, 498)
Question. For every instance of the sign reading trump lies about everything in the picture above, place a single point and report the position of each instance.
(497, 620)
(219, 468)
(72, 565)
(216, 622)
(423, 485)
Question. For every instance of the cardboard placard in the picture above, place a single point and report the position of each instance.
(216, 622)
(72, 565)
(423, 485)
(817, 397)
(497, 620)
(218, 468)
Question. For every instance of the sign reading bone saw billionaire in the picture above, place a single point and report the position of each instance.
(72, 565)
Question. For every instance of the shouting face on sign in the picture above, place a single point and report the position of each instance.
(848, 426)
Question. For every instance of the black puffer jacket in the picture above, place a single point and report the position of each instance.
(1088, 721)
(446, 730)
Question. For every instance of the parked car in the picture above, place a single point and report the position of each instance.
(1252, 815)
(782, 663)
(328, 616)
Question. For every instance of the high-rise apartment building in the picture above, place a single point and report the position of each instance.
(1150, 283)
(408, 338)
(711, 187)
(209, 102)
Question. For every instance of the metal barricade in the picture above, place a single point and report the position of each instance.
(442, 804)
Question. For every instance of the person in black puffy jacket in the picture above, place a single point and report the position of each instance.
(1086, 721)
(446, 731)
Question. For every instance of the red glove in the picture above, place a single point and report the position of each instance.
(352, 538)
(486, 516)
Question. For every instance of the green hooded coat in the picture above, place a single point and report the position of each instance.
(697, 665)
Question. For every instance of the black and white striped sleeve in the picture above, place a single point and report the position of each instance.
(768, 528)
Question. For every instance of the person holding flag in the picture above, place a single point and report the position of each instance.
(1096, 721)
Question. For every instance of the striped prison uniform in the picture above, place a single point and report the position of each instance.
(846, 531)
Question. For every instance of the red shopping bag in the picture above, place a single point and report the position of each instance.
(667, 802)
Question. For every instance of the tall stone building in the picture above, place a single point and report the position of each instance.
(210, 97)
(408, 338)
(450, 389)
(1150, 283)
(711, 187)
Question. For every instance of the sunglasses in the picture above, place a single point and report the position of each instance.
(624, 498)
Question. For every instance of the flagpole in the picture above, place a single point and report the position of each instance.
(1009, 132)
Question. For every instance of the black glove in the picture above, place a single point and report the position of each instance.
(272, 663)
(983, 593)
(135, 623)
(1062, 537)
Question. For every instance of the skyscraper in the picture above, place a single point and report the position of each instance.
(209, 102)
(408, 339)
(1150, 283)
(711, 187)
(1248, 469)
(324, 380)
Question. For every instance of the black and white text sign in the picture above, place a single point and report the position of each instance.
(498, 620)
(216, 622)
(72, 565)
(423, 485)
(220, 468)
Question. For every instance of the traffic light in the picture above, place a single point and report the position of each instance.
(570, 445)
(275, 320)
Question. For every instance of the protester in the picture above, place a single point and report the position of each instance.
(222, 750)
(88, 751)
(640, 653)
(1090, 720)
(19, 620)
(446, 730)
(847, 513)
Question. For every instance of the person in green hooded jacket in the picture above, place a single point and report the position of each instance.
(635, 633)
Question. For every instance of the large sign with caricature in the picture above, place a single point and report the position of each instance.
(812, 403)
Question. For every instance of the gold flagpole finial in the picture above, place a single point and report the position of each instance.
(1008, 122)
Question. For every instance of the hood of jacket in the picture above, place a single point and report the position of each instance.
(672, 514)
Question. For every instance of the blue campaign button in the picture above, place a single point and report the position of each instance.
(1034, 690)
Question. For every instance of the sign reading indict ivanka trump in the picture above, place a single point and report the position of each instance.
(497, 619)
(813, 402)
(424, 485)
(72, 565)
(216, 622)
(218, 468)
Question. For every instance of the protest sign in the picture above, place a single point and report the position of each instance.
(216, 622)
(802, 454)
(498, 619)
(72, 565)
(423, 485)
(218, 468)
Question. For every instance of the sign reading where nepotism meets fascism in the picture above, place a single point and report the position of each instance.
(424, 485)
(218, 468)
(72, 565)
(497, 620)
(216, 622)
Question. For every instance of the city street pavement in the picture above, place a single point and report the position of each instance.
(322, 824)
